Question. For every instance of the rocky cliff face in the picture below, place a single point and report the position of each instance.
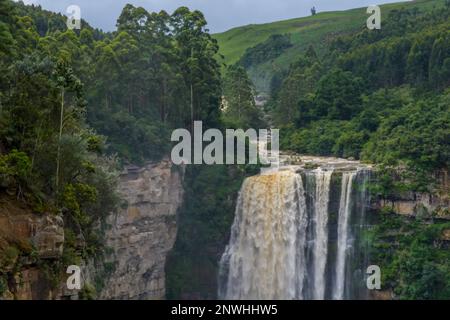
(435, 204)
(143, 232)
(41, 235)
(139, 238)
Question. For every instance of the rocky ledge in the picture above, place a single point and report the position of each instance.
(434, 204)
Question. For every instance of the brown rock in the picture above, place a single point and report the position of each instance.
(48, 236)
(24, 231)
(446, 235)
(143, 233)
(381, 295)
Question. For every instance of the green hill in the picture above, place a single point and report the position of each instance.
(317, 30)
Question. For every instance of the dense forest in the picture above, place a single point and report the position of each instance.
(381, 96)
(77, 105)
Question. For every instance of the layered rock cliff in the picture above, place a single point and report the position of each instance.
(138, 239)
(25, 237)
(424, 204)
(143, 231)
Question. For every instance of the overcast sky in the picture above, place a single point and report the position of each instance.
(220, 14)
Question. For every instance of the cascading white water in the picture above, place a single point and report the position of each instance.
(264, 256)
(302, 224)
(343, 233)
(280, 238)
(321, 199)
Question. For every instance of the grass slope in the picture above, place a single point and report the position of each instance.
(318, 30)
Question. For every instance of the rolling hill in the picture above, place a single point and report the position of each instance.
(317, 30)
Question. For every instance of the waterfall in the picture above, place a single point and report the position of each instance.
(343, 236)
(268, 237)
(286, 223)
(321, 199)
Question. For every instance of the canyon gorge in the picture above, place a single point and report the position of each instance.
(298, 233)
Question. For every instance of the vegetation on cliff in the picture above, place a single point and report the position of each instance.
(319, 30)
(74, 104)
(50, 159)
(376, 95)
(74, 101)
(414, 254)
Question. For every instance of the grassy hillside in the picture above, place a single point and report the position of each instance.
(318, 30)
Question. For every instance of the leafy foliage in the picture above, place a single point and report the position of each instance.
(61, 89)
(205, 220)
(413, 256)
(386, 102)
(383, 97)
(266, 51)
(240, 110)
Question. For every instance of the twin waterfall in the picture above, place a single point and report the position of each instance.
(294, 236)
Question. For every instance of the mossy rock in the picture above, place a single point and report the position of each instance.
(422, 212)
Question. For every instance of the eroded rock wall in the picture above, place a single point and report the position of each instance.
(42, 235)
(138, 239)
(143, 231)
(435, 204)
